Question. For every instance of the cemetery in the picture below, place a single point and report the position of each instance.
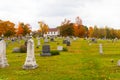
(98, 61)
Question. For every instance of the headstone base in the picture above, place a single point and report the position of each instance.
(45, 54)
(3, 66)
(30, 66)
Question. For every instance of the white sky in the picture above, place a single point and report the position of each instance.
(53, 12)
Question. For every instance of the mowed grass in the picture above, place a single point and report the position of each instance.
(81, 62)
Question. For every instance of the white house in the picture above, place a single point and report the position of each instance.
(52, 32)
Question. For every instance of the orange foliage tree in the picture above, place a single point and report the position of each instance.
(43, 28)
(79, 29)
(23, 29)
(90, 31)
(7, 28)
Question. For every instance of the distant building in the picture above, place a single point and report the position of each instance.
(53, 32)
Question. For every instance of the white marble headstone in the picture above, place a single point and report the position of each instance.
(59, 48)
(30, 62)
(118, 63)
(46, 40)
(38, 41)
(3, 59)
(100, 49)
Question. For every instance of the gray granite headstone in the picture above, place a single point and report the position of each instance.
(93, 40)
(64, 41)
(68, 43)
(46, 50)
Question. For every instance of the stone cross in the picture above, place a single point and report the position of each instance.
(3, 59)
(30, 62)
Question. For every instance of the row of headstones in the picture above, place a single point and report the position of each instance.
(101, 53)
(30, 62)
(94, 40)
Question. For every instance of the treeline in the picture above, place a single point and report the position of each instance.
(106, 32)
(68, 28)
(7, 28)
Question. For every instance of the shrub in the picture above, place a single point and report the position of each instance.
(54, 52)
(65, 49)
(23, 49)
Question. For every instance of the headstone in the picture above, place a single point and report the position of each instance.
(93, 40)
(68, 43)
(38, 41)
(46, 40)
(100, 49)
(16, 50)
(74, 38)
(118, 63)
(46, 50)
(3, 59)
(115, 40)
(68, 38)
(51, 39)
(59, 48)
(64, 41)
(30, 62)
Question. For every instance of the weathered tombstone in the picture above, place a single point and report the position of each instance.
(46, 40)
(3, 59)
(68, 43)
(115, 40)
(46, 50)
(38, 44)
(100, 49)
(64, 41)
(93, 40)
(118, 63)
(52, 39)
(59, 48)
(30, 62)
(74, 38)
(16, 50)
(68, 38)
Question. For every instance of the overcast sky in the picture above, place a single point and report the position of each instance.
(53, 12)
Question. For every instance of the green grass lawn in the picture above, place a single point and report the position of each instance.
(81, 62)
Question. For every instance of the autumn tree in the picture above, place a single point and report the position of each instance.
(7, 28)
(43, 27)
(90, 31)
(66, 28)
(79, 29)
(23, 29)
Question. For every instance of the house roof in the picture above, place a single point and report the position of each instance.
(53, 29)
